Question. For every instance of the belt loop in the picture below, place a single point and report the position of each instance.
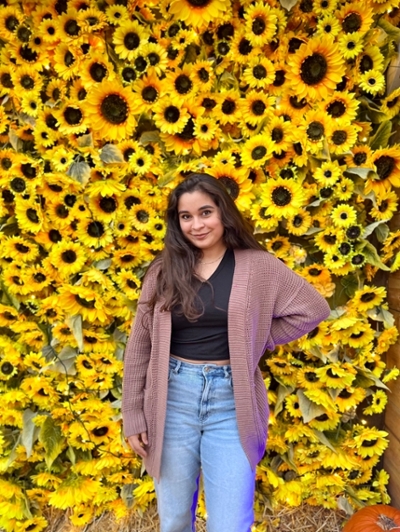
(226, 372)
(177, 367)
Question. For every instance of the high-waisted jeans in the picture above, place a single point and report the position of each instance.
(201, 433)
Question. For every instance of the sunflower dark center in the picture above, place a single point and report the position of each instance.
(336, 108)
(70, 200)
(358, 259)
(294, 45)
(366, 64)
(383, 207)
(171, 114)
(328, 28)
(258, 153)
(345, 248)
(228, 107)
(352, 23)
(153, 58)
(258, 26)
(95, 229)
(32, 216)
(306, 6)
(281, 196)
(231, 186)
(108, 204)
(149, 94)
(114, 109)
(62, 211)
(392, 103)
(72, 28)
(339, 137)
(384, 166)
(280, 78)
(97, 72)
(353, 232)
(24, 34)
(172, 53)
(28, 54)
(369, 443)
(315, 131)
(245, 47)
(18, 184)
(296, 103)
(142, 216)
(131, 40)
(6, 81)
(140, 63)
(314, 272)
(128, 74)
(101, 431)
(310, 376)
(313, 69)
(27, 82)
(11, 23)
(69, 256)
(277, 134)
(127, 258)
(188, 131)
(90, 339)
(277, 245)
(183, 84)
(39, 277)
(73, 116)
(258, 107)
(7, 368)
(204, 75)
(55, 236)
(85, 302)
(22, 248)
(199, 3)
(259, 72)
(330, 239)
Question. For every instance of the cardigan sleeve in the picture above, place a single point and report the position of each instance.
(298, 307)
(136, 360)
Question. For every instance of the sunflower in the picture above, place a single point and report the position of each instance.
(91, 19)
(259, 73)
(203, 76)
(84, 301)
(316, 68)
(280, 132)
(141, 216)
(117, 14)
(228, 110)
(326, 421)
(72, 118)
(94, 233)
(389, 105)
(95, 69)
(26, 79)
(256, 151)
(342, 137)
(316, 274)
(198, 13)
(127, 39)
(10, 20)
(260, 23)
(373, 82)
(361, 156)
(147, 91)
(68, 26)
(169, 116)
(47, 29)
(282, 197)
(387, 164)
(377, 403)
(343, 106)
(314, 128)
(328, 173)
(386, 206)
(368, 298)
(292, 405)
(111, 110)
(368, 441)
(19, 249)
(29, 216)
(256, 107)
(328, 25)
(355, 17)
(67, 60)
(206, 130)
(278, 245)
(263, 221)
(299, 223)
(68, 258)
(236, 183)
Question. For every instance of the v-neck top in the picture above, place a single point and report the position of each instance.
(206, 338)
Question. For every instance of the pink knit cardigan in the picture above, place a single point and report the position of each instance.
(269, 305)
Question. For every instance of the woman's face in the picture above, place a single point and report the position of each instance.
(200, 221)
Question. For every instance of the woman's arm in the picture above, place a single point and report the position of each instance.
(136, 361)
(298, 308)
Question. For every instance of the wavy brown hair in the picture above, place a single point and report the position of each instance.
(176, 283)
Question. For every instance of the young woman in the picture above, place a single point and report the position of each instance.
(193, 395)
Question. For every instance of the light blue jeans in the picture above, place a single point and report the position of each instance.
(201, 433)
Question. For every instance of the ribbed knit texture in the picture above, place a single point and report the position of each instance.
(269, 305)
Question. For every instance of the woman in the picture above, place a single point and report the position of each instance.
(193, 394)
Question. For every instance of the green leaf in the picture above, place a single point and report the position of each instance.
(80, 171)
(51, 438)
(15, 141)
(162, 181)
(392, 31)
(308, 409)
(367, 374)
(283, 391)
(288, 4)
(381, 314)
(344, 505)
(382, 135)
(103, 264)
(30, 431)
(111, 154)
(369, 229)
(382, 232)
(127, 494)
(71, 455)
(149, 136)
(323, 439)
(85, 141)
(65, 362)
(359, 171)
(373, 258)
(75, 324)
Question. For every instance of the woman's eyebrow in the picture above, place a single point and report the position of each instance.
(200, 209)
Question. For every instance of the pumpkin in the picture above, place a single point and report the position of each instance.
(374, 519)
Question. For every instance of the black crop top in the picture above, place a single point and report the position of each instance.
(207, 338)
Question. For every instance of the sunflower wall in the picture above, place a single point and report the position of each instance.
(107, 105)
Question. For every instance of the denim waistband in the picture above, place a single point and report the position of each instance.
(177, 366)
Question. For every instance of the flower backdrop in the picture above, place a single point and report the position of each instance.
(104, 107)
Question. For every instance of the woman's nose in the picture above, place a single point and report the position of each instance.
(198, 222)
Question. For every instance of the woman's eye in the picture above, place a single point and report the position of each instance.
(206, 212)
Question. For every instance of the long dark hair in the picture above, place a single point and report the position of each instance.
(176, 282)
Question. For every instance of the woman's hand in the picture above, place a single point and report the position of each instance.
(138, 442)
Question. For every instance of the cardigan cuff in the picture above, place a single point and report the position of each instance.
(133, 423)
